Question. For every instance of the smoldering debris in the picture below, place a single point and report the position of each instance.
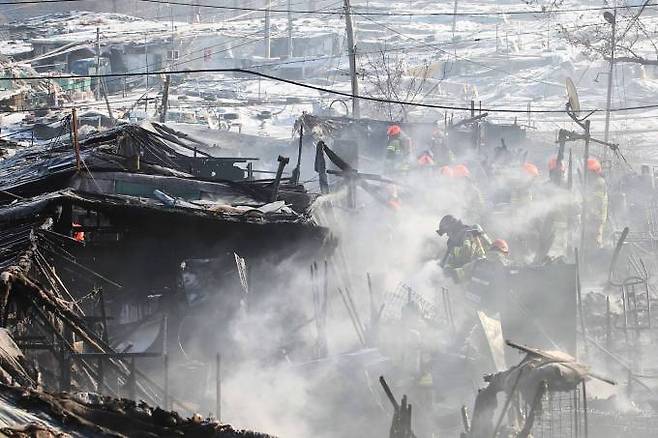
(187, 244)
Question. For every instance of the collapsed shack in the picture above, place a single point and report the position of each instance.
(28, 411)
(367, 138)
(93, 244)
(532, 390)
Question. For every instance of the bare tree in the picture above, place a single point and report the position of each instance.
(633, 41)
(390, 78)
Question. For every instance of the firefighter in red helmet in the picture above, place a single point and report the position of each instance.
(398, 149)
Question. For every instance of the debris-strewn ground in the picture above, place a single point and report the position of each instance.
(35, 413)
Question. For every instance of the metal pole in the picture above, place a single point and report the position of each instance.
(268, 44)
(166, 382)
(583, 221)
(290, 29)
(579, 297)
(218, 396)
(613, 43)
(146, 66)
(454, 24)
(585, 420)
(351, 50)
(98, 62)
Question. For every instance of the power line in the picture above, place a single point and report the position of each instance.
(385, 14)
(400, 14)
(316, 88)
(34, 2)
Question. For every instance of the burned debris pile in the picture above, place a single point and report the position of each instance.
(78, 225)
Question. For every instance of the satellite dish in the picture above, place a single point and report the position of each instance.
(574, 102)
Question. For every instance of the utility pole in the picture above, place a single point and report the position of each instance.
(98, 63)
(612, 19)
(173, 46)
(268, 24)
(454, 20)
(146, 66)
(351, 49)
(289, 29)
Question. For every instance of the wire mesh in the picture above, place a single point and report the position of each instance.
(404, 295)
(561, 415)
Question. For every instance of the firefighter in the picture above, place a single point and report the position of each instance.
(499, 252)
(466, 244)
(522, 190)
(556, 171)
(469, 194)
(426, 158)
(489, 276)
(595, 212)
(443, 155)
(398, 149)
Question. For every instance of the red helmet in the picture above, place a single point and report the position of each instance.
(594, 165)
(552, 165)
(447, 171)
(393, 130)
(500, 245)
(426, 159)
(461, 171)
(530, 169)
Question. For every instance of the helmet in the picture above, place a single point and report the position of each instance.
(448, 221)
(593, 165)
(393, 130)
(447, 171)
(530, 169)
(552, 165)
(461, 171)
(500, 245)
(426, 158)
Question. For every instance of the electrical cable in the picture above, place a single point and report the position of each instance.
(316, 88)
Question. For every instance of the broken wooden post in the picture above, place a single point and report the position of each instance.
(297, 170)
(283, 161)
(165, 100)
(65, 372)
(608, 324)
(320, 167)
(132, 381)
(74, 136)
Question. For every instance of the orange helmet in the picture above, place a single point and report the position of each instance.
(530, 169)
(594, 165)
(447, 171)
(393, 130)
(500, 245)
(552, 165)
(461, 171)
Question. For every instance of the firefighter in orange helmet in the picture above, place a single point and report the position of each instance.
(595, 212)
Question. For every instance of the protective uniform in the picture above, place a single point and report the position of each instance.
(465, 245)
(489, 276)
(595, 214)
(470, 196)
(397, 149)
